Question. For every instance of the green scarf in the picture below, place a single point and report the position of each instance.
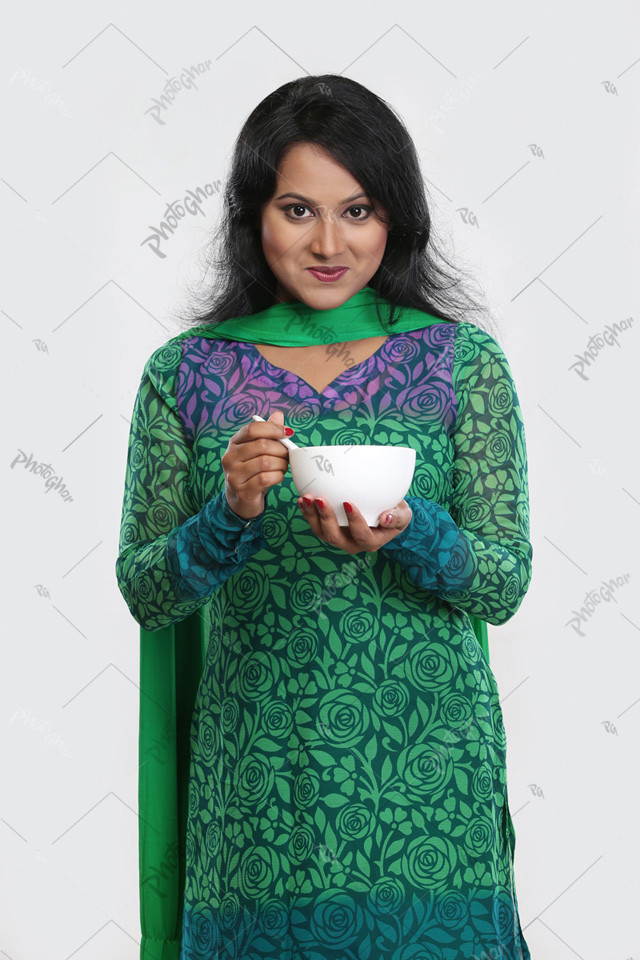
(294, 324)
(172, 658)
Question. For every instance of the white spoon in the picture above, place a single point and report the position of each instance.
(288, 443)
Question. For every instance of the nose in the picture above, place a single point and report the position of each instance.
(327, 240)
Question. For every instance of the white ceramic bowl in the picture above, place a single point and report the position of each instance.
(373, 477)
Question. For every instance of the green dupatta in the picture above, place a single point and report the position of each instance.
(172, 658)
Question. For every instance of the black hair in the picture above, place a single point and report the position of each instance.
(364, 134)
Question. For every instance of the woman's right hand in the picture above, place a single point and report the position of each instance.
(254, 461)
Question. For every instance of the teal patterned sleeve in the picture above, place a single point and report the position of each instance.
(479, 556)
(172, 557)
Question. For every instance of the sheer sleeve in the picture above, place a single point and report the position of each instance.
(479, 556)
(172, 557)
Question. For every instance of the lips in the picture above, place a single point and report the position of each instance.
(327, 274)
(328, 270)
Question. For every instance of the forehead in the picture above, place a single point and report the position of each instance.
(311, 167)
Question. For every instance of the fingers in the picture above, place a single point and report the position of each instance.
(324, 523)
(254, 461)
(261, 454)
(257, 475)
(261, 437)
(397, 518)
(386, 519)
(258, 439)
(358, 536)
(272, 428)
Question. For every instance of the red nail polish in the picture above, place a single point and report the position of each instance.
(306, 501)
(347, 506)
(319, 503)
(289, 431)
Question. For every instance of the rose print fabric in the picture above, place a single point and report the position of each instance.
(348, 791)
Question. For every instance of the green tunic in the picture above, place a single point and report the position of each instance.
(347, 789)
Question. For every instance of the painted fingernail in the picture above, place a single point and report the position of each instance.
(306, 502)
(289, 431)
(319, 503)
(347, 506)
(387, 520)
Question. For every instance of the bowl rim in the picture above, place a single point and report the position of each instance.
(368, 446)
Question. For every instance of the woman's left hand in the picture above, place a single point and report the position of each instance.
(358, 536)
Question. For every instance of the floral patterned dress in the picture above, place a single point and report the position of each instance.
(347, 789)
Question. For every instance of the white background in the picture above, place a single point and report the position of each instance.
(526, 121)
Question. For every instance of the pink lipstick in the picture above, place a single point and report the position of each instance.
(328, 274)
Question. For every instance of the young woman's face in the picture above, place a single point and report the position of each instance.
(320, 216)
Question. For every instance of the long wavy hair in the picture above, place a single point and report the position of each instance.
(363, 133)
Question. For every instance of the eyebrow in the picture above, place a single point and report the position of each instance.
(298, 196)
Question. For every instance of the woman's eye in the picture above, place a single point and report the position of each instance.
(367, 211)
(295, 206)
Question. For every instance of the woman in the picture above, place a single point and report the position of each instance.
(347, 790)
